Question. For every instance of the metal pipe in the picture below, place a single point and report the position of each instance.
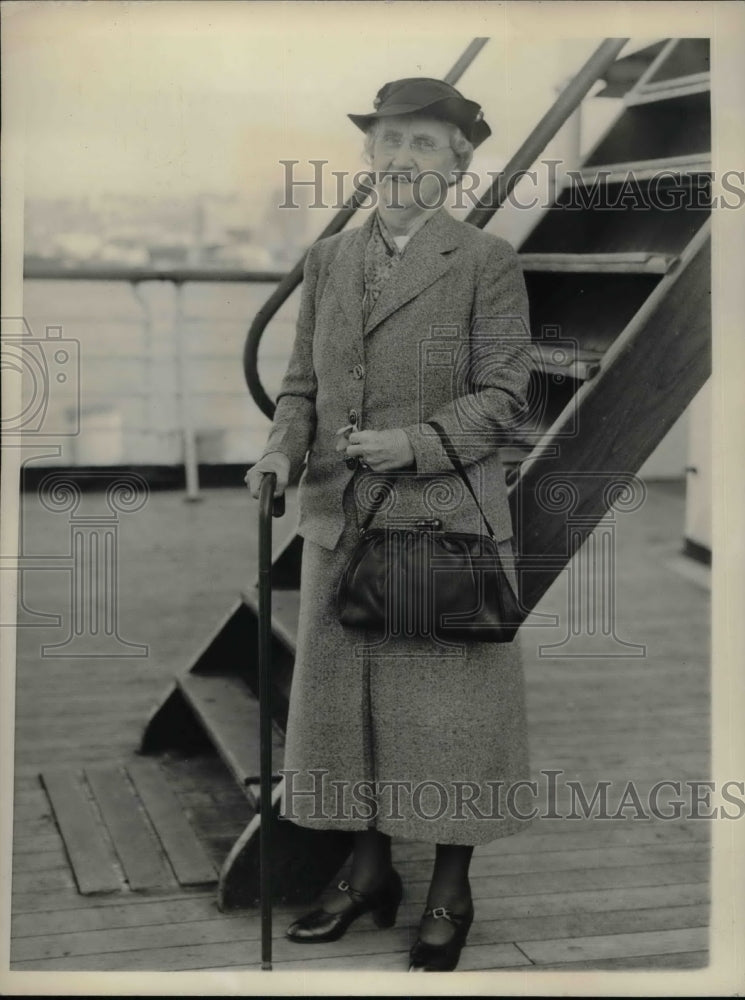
(462, 64)
(191, 468)
(269, 506)
(178, 275)
(149, 354)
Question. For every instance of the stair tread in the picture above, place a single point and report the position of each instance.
(230, 713)
(285, 612)
(665, 90)
(625, 72)
(566, 358)
(576, 353)
(636, 262)
(675, 81)
(615, 173)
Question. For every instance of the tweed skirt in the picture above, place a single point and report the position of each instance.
(417, 740)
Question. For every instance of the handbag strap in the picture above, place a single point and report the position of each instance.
(376, 504)
(452, 454)
(458, 466)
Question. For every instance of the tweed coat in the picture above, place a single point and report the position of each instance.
(420, 740)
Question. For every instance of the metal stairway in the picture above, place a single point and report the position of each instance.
(620, 319)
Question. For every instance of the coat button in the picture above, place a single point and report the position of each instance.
(358, 371)
(353, 462)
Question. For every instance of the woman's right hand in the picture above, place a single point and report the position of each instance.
(275, 461)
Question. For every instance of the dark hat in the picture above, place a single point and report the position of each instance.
(421, 94)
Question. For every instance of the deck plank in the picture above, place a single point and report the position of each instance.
(498, 956)
(40, 861)
(597, 837)
(145, 913)
(366, 939)
(141, 856)
(670, 960)
(89, 854)
(658, 942)
(573, 860)
(41, 843)
(189, 860)
(393, 956)
(532, 883)
(34, 902)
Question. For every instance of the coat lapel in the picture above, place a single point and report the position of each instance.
(347, 277)
(428, 256)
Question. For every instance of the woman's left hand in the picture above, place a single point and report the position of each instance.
(383, 451)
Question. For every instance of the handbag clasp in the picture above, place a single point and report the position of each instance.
(433, 523)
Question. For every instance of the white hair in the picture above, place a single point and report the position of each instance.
(462, 148)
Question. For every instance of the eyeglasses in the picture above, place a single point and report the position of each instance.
(421, 144)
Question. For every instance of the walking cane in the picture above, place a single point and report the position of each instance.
(269, 506)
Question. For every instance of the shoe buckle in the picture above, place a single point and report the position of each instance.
(439, 911)
(353, 893)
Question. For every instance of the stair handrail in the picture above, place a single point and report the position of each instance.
(565, 105)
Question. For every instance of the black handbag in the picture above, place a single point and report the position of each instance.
(419, 580)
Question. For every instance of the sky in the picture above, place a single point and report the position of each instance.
(174, 97)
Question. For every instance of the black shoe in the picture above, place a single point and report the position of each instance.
(425, 957)
(320, 925)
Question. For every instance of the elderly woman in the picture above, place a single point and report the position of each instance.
(413, 316)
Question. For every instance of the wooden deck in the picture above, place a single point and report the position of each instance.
(566, 894)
